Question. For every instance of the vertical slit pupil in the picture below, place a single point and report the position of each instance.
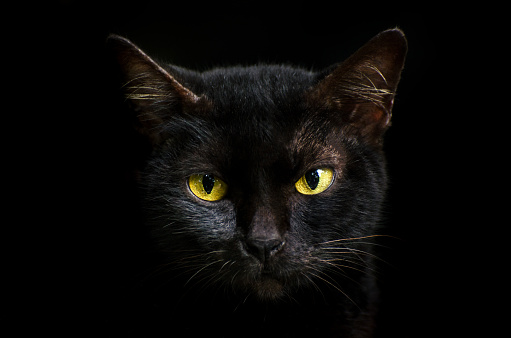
(208, 182)
(312, 178)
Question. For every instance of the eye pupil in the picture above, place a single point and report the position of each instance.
(208, 182)
(312, 178)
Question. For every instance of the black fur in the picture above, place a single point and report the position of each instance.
(260, 129)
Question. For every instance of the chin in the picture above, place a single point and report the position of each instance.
(268, 289)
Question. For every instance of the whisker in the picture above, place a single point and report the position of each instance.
(354, 243)
(334, 286)
(204, 267)
(192, 257)
(223, 265)
(362, 265)
(361, 252)
(313, 283)
(355, 238)
(234, 277)
(336, 250)
(330, 262)
(338, 271)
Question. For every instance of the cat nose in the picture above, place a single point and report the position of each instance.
(263, 249)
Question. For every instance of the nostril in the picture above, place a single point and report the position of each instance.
(263, 249)
(273, 246)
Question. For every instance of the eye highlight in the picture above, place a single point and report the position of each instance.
(315, 181)
(207, 187)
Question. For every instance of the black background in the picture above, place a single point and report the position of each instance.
(430, 287)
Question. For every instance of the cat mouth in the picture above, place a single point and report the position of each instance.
(271, 282)
(263, 283)
(268, 287)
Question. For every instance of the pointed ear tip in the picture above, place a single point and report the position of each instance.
(395, 36)
(113, 37)
(114, 40)
(395, 31)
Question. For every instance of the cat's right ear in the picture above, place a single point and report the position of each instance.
(154, 94)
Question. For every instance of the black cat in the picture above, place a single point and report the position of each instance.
(262, 187)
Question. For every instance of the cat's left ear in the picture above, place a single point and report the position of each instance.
(363, 87)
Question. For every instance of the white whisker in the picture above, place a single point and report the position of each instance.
(199, 271)
(334, 286)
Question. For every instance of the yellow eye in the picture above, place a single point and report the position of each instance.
(207, 187)
(315, 181)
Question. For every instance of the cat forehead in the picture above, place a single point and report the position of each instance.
(270, 74)
(263, 85)
(261, 115)
(261, 104)
(223, 145)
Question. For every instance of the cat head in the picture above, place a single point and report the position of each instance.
(264, 179)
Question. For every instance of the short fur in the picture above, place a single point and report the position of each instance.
(260, 129)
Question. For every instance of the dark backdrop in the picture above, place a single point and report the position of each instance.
(422, 294)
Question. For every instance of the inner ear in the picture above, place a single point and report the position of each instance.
(369, 121)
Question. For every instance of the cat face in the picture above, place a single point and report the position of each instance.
(264, 180)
